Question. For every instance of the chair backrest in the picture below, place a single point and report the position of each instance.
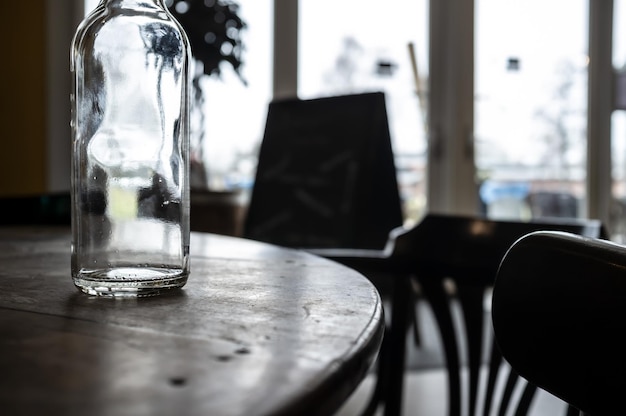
(559, 317)
(454, 261)
(326, 176)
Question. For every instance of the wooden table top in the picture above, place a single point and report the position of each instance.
(257, 330)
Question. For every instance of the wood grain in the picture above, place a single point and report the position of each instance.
(257, 330)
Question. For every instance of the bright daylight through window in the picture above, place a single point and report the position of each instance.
(530, 107)
(530, 97)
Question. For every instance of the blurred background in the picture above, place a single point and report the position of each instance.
(504, 108)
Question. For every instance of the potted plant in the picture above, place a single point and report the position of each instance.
(214, 29)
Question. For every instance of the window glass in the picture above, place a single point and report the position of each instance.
(235, 113)
(530, 107)
(355, 46)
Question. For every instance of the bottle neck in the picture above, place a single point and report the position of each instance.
(133, 3)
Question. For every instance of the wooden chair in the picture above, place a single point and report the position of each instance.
(326, 183)
(453, 260)
(326, 176)
(559, 308)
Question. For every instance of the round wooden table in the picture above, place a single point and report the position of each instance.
(257, 330)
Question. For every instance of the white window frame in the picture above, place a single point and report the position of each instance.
(451, 184)
(600, 108)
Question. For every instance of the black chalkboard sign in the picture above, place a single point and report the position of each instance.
(326, 176)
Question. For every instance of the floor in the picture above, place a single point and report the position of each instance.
(425, 391)
(425, 395)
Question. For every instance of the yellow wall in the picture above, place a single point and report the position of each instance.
(23, 97)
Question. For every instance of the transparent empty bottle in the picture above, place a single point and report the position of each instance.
(130, 126)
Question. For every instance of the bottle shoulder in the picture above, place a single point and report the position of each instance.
(128, 30)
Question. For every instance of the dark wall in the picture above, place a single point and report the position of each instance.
(23, 97)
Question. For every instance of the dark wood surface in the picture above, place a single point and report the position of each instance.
(559, 317)
(257, 330)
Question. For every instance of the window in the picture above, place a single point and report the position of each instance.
(342, 51)
(531, 107)
(235, 113)
(514, 90)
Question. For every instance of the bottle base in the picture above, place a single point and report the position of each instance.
(129, 282)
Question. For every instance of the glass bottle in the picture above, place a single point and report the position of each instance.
(130, 141)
